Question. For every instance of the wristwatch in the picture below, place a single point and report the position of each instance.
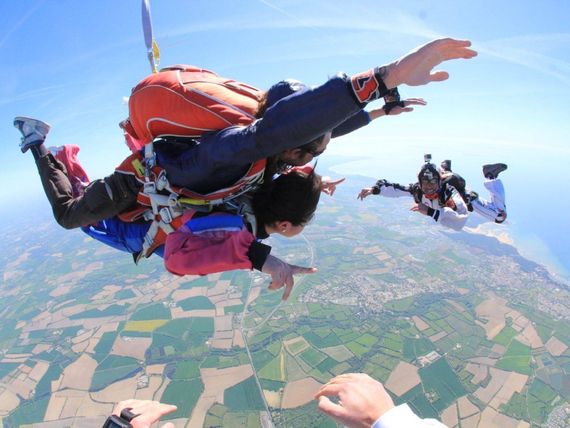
(123, 421)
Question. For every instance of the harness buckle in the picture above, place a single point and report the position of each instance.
(149, 187)
(161, 181)
(148, 215)
(173, 201)
(165, 215)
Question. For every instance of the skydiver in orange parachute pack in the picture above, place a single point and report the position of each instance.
(294, 128)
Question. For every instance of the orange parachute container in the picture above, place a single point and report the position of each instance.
(186, 101)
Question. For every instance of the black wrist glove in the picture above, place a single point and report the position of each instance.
(392, 99)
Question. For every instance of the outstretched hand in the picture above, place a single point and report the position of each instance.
(367, 191)
(282, 274)
(408, 102)
(329, 185)
(420, 208)
(148, 412)
(416, 68)
(361, 400)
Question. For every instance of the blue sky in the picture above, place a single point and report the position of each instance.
(73, 63)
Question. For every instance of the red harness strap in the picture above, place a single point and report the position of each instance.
(165, 210)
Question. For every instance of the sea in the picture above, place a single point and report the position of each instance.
(537, 199)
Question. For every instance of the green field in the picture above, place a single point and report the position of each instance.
(296, 347)
(392, 342)
(189, 331)
(516, 407)
(112, 369)
(414, 348)
(198, 282)
(261, 358)
(6, 368)
(327, 364)
(416, 399)
(377, 372)
(271, 385)
(357, 349)
(104, 345)
(156, 311)
(196, 303)
(294, 369)
(399, 305)
(537, 410)
(367, 340)
(272, 370)
(440, 379)
(183, 394)
(516, 359)
(244, 396)
(322, 341)
(505, 335)
(161, 341)
(113, 310)
(29, 412)
(312, 357)
(124, 294)
(234, 309)
(186, 370)
(274, 348)
(44, 385)
(542, 391)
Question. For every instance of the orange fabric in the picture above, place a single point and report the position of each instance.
(188, 101)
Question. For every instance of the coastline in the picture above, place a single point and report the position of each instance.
(529, 246)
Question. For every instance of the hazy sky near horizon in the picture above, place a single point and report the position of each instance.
(73, 63)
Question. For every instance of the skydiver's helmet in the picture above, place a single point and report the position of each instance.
(429, 180)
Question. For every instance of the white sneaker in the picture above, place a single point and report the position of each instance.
(33, 131)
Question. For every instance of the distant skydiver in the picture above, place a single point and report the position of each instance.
(221, 240)
(441, 195)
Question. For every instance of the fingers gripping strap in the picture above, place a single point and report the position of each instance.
(369, 86)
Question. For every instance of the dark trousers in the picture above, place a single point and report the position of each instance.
(102, 199)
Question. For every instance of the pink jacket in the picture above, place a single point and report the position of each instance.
(221, 243)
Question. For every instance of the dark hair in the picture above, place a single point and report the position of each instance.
(290, 197)
(262, 106)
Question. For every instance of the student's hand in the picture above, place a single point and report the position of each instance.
(421, 208)
(148, 412)
(329, 185)
(367, 191)
(361, 400)
(416, 68)
(282, 274)
(379, 112)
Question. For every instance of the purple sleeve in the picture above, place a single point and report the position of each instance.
(293, 121)
(360, 119)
